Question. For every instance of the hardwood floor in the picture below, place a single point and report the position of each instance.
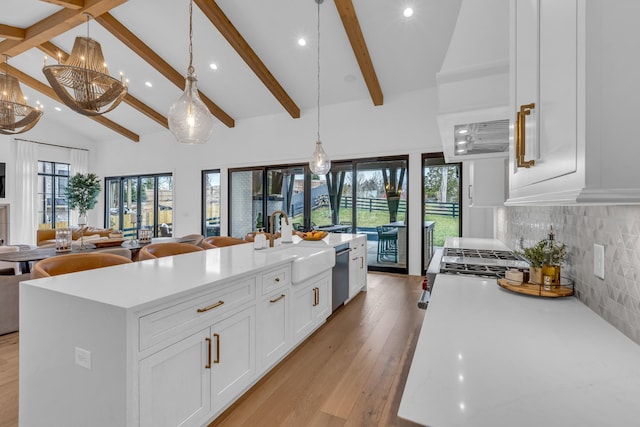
(9, 380)
(351, 372)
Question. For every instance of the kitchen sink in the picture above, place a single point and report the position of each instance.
(307, 261)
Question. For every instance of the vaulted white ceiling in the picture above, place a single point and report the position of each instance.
(406, 54)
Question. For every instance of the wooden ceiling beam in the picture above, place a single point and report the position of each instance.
(359, 46)
(53, 51)
(56, 24)
(69, 4)
(47, 91)
(122, 33)
(235, 39)
(12, 33)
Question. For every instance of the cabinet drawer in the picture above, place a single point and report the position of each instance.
(276, 278)
(168, 323)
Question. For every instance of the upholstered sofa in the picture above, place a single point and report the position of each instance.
(48, 236)
(9, 286)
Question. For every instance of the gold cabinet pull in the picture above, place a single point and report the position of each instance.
(315, 297)
(208, 365)
(361, 262)
(217, 337)
(277, 280)
(277, 299)
(210, 307)
(521, 143)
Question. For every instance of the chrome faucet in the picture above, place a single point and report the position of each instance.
(272, 237)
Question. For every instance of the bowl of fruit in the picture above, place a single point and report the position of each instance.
(312, 235)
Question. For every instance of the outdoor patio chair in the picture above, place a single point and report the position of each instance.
(387, 244)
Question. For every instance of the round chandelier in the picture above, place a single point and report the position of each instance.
(15, 115)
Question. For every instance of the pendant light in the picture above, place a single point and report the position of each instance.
(190, 120)
(319, 163)
(83, 82)
(15, 115)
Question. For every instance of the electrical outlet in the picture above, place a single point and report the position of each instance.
(598, 260)
(83, 358)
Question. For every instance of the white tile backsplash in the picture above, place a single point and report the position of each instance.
(617, 297)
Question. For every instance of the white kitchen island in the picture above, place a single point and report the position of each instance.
(166, 342)
(487, 357)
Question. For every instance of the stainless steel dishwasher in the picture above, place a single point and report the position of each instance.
(340, 277)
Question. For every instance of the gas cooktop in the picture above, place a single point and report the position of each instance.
(473, 269)
(480, 253)
(480, 262)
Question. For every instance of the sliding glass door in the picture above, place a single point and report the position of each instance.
(135, 202)
(442, 186)
(326, 202)
(381, 211)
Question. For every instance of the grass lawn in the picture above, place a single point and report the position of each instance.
(446, 226)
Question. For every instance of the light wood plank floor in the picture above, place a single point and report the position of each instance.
(351, 372)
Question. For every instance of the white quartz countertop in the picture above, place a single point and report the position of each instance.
(140, 283)
(489, 357)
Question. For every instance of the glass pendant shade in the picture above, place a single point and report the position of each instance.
(83, 83)
(189, 118)
(15, 117)
(319, 163)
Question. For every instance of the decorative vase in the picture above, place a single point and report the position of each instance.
(535, 275)
(82, 222)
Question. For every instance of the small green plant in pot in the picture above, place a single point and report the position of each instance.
(539, 255)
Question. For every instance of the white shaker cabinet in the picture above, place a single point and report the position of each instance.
(571, 76)
(233, 357)
(184, 363)
(357, 265)
(211, 368)
(274, 337)
(311, 305)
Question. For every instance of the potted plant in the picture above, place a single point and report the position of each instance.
(537, 257)
(82, 194)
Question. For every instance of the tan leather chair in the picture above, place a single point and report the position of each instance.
(220, 241)
(207, 245)
(159, 250)
(196, 239)
(70, 263)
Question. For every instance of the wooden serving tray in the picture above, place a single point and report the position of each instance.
(536, 290)
(106, 243)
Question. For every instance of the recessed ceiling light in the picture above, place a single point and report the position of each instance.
(57, 108)
(407, 12)
(148, 84)
(302, 42)
(213, 66)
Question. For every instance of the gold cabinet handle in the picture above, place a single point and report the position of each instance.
(210, 307)
(277, 280)
(217, 337)
(316, 297)
(521, 144)
(361, 262)
(277, 299)
(208, 365)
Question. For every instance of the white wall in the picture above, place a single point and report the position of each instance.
(51, 134)
(403, 125)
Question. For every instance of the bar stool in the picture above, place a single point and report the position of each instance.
(387, 244)
(70, 263)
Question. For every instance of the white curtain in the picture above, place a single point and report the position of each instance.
(79, 164)
(79, 161)
(26, 188)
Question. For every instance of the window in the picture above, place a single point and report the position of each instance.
(442, 187)
(135, 202)
(211, 203)
(378, 186)
(53, 207)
